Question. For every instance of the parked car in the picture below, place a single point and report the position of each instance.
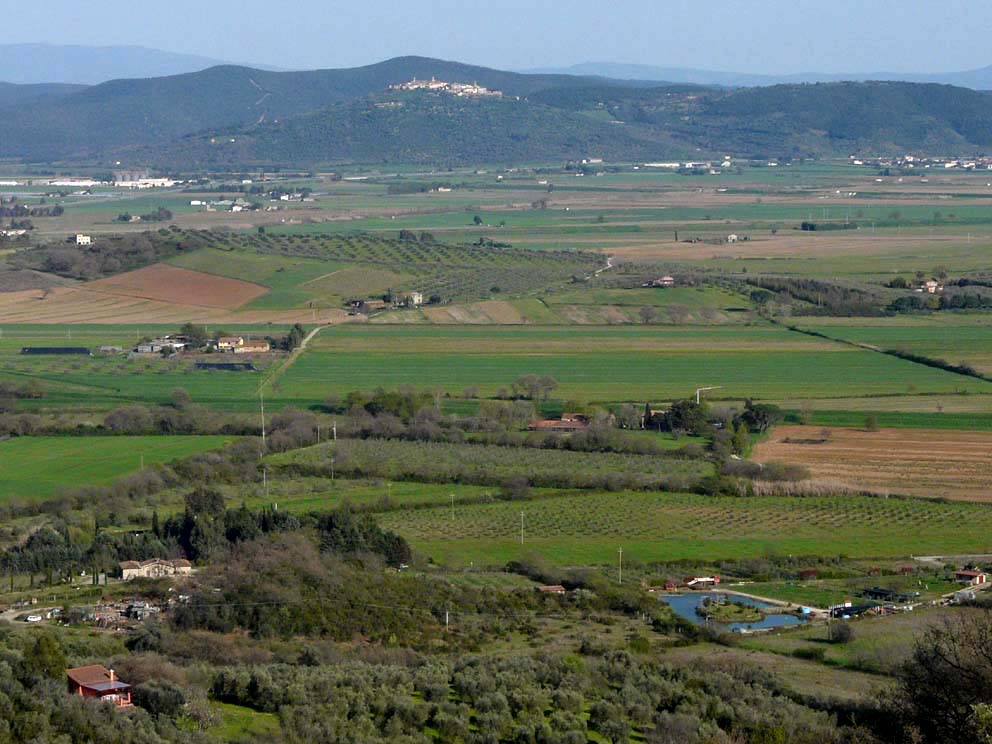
(33, 619)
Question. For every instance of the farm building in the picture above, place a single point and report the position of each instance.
(253, 347)
(968, 576)
(228, 366)
(157, 345)
(154, 568)
(808, 574)
(96, 681)
(229, 343)
(664, 281)
(701, 582)
(84, 240)
(56, 350)
(551, 589)
(558, 425)
(888, 595)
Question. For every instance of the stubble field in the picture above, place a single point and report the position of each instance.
(921, 462)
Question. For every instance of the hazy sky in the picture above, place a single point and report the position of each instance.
(760, 36)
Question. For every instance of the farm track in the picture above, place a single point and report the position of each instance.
(280, 369)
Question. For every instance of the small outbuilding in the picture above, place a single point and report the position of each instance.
(972, 577)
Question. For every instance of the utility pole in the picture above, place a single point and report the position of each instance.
(332, 469)
(261, 403)
(265, 482)
(452, 507)
(621, 565)
(521, 528)
(335, 429)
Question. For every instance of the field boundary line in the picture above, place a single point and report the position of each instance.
(923, 361)
(280, 369)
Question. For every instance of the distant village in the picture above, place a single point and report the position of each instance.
(471, 90)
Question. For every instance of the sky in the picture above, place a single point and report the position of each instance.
(755, 36)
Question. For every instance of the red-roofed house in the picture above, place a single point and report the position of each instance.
(96, 681)
(967, 576)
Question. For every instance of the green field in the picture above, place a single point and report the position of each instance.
(33, 468)
(608, 363)
(955, 337)
(588, 529)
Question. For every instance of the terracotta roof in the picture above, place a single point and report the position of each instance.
(130, 564)
(182, 563)
(969, 572)
(95, 677)
(558, 424)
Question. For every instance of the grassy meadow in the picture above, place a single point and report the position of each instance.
(35, 468)
(608, 363)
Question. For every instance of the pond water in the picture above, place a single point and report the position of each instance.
(684, 605)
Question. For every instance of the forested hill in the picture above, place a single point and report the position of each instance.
(608, 122)
(143, 111)
(232, 115)
(14, 95)
(418, 128)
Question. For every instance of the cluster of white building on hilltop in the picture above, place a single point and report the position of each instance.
(441, 86)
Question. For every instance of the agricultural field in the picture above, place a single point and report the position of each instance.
(167, 283)
(490, 465)
(958, 338)
(605, 364)
(35, 468)
(597, 306)
(588, 529)
(101, 382)
(920, 462)
(326, 270)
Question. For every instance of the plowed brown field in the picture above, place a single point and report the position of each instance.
(172, 284)
(919, 462)
(154, 294)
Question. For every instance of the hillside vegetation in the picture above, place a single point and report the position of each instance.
(230, 115)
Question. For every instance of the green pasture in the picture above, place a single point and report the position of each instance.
(237, 723)
(955, 337)
(614, 364)
(589, 529)
(34, 468)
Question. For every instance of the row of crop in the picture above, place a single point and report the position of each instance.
(433, 462)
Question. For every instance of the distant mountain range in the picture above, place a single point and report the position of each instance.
(980, 79)
(88, 65)
(229, 116)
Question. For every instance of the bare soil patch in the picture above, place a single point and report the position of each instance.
(934, 463)
(166, 283)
